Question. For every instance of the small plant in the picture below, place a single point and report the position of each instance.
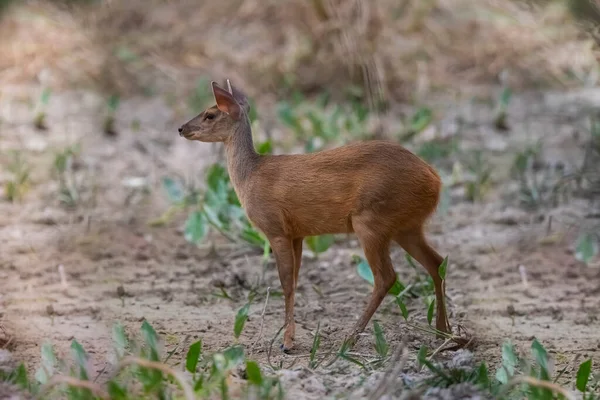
(477, 186)
(319, 244)
(500, 121)
(201, 97)
(216, 208)
(109, 120)
(40, 115)
(63, 167)
(515, 378)
(318, 124)
(417, 123)
(140, 373)
(586, 247)
(18, 184)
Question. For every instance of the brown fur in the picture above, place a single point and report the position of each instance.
(376, 189)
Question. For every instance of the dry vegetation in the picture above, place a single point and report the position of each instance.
(104, 215)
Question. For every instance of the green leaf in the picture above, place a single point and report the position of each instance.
(193, 355)
(396, 288)
(541, 357)
(46, 369)
(583, 375)
(509, 362)
(151, 339)
(174, 190)
(253, 373)
(505, 97)
(483, 378)
(410, 260)
(45, 96)
(586, 248)
(381, 345)
(421, 119)
(19, 377)
(403, 308)
(113, 102)
(80, 357)
(120, 339)
(422, 356)
(319, 244)
(265, 147)
(315, 345)
(442, 268)
(196, 227)
(240, 320)
(364, 271)
(252, 112)
(234, 355)
(116, 392)
(430, 311)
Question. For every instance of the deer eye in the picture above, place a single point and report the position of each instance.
(209, 116)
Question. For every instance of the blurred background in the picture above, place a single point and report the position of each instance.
(108, 215)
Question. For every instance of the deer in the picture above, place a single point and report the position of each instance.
(375, 189)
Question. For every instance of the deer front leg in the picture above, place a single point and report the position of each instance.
(284, 257)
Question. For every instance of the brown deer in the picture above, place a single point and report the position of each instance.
(377, 189)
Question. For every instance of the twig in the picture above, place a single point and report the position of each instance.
(262, 318)
(187, 389)
(271, 347)
(74, 382)
(397, 363)
(436, 351)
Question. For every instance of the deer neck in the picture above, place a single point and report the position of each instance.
(241, 157)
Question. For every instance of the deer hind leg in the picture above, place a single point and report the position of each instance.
(284, 257)
(416, 245)
(297, 244)
(376, 248)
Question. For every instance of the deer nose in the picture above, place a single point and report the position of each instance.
(180, 130)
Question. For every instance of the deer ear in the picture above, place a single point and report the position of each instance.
(226, 102)
(239, 96)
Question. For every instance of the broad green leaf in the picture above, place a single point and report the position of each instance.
(319, 244)
(541, 357)
(116, 392)
(174, 190)
(192, 357)
(586, 248)
(430, 311)
(19, 377)
(234, 355)
(505, 97)
(151, 339)
(113, 102)
(509, 362)
(421, 119)
(403, 308)
(240, 320)
(253, 373)
(46, 369)
(196, 227)
(120, 339)
(583, 375)
(45, 96)
(442, 268)
(483, 378)
(364, 271)
(422, 355)
(80, 357)
(265, 147)
(381, 345)
(252, 112)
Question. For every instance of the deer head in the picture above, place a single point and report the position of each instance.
(219, 122)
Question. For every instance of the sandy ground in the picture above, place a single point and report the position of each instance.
(106, 243)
